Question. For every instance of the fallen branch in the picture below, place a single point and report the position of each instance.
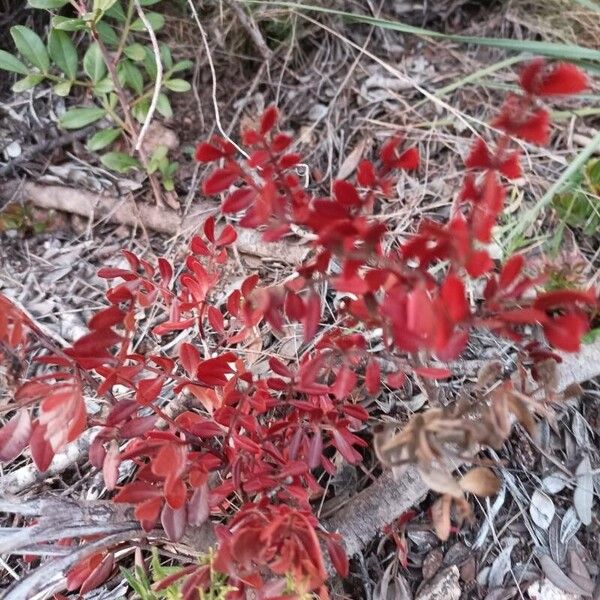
(125, 211)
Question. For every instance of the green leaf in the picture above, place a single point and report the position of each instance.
(140, 109)
(116, 12)
(155, 19)
(150, 64)
(160, 152)
(80, 117)
(164, 106)
(149, 2)
(165, 56)
(93, 63)
(48, 4)
(107, 34)
(103, 138)
(102, 5)
(119, 161)
(591, 336)
(8, 62)
(68, 24)
(27, 82)
(62, 51)
(104, 86)
(112, 100)
(182, 65)
(63, 88)
(177, 85)
(135, 52)
(30, 45)
(131, 76)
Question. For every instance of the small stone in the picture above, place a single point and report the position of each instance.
(13, 150)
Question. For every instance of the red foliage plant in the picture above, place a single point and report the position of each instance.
(245, 448)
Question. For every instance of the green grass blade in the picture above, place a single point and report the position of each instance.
(551, 49)
(529, 216)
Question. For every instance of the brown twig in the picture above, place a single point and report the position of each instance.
(125, 212)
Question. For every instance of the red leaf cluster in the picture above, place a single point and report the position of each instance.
(251, 449)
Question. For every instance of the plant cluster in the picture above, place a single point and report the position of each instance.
(102, 50)
(210, 441)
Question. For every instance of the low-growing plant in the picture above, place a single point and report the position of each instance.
(210, 441)
(101, 49)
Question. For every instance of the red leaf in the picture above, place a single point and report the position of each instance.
(565, 331)
(311, 316)
(408, 160)
(396, 380)
(147, 513)
(365, 174)
(113, 273)
(137, 492)
(238, 200)
(344, 447)
(345, 193)
(511, 270)
(479, 263)
(82, 570)
(433, 372)
(166, 271)
(479, 156)
(562, 298)
(337, 553)
(175, 493)
(227, 237)
(41, 451)
(345, 382)
(14, 436)
(106, 318)
(511, 166)
(523, 316)
(213, 371)
(280, 142)
(219, 181)
(148, 390)
(170, 461)
(455, 301)
(563, 79)
(279, 368)
(110, 467)
(373, 377)
(215, 318)
(99, 575)
(542, 79)
(268, 119)
(206, 152)
(189, 357)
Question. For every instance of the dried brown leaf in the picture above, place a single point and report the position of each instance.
(441, 482)
(555, 574)
(480, 481)
(440, 516)
(351, 162)
(489, 373)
